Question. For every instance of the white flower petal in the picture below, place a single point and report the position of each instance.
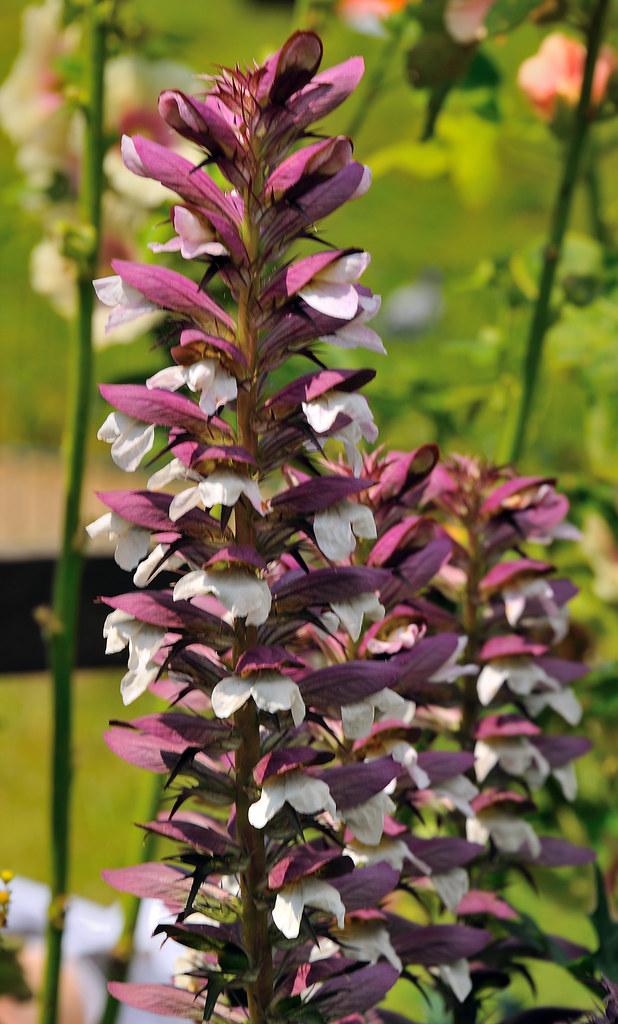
(229, 695)
(490, 681)
(350, 613)
(331, 298)
(457, 977)
(357, 719)
(288, 911)
(451, 886)
(366, 821)
(169, 379)
(184, 502)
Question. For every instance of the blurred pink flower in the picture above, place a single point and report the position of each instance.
(367, 15)
(464, 19)
(555, 74)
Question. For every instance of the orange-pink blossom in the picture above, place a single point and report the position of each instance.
(555, 73)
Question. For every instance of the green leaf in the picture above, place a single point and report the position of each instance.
(506, 14)
(482, 73)
(12, 980)
(436, 60)
(424, 160)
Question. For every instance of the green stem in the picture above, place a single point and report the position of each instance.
(435, 103)
(559, 222)
(65, 597)
(377, 78)
(123, 953)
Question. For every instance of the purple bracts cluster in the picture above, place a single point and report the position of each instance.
(307, 676)
(512, 609)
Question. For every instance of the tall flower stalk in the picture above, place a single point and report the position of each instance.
(284, 642)
(574, 156)
(66, 590)
(513, 612)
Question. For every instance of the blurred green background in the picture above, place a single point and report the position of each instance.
(475, 228)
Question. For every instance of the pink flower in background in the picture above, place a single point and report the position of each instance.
(555, 74)
(367, 15)
(464, 19)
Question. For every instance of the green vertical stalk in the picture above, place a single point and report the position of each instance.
(559, 221)
(65, 597)
(594, 198)
(123, 953)
(377, 78)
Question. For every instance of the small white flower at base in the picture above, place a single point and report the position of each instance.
(563, 702)
(515, 755)
(457, 977)
(156, 563)
(508, 832)
(451, 671)
(358, 718)
(243, 594)
(521, 674)
(270, 691)
(126, 302)
(194, 236)
(304, 793)
(132, 542)
(311, 892)
(121, 629)
(337, 527)
(567, 780)
(174, 470)
(355, 333)
(368, 942)
(351, 612)
(405, 755)
(457, 792)
(216, 387)
(516, 598)
(130, 439)
(451, 886)
(322, 413)
(366, 820)
(219, 488)
(331, 291)
(393, 851)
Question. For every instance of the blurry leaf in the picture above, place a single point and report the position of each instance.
(473, 156)
(506, 14)
(601, 436)
(424, 160)
(581, 261)
(605, 959)
(585, 340)
(12, 981)
(436, 60)
(482, 73)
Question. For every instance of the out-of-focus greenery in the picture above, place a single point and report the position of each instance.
(472, 207)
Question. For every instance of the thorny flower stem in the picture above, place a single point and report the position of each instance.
(559, 222)
(65, 598)
(253, 878)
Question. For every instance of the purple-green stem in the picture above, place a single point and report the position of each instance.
(65, 598)
(559, 221)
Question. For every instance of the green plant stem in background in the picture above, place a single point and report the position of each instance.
(594, 198)
(560, 219)
(65, 599)
(377, 77)
(123, 952)
(435, 103)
